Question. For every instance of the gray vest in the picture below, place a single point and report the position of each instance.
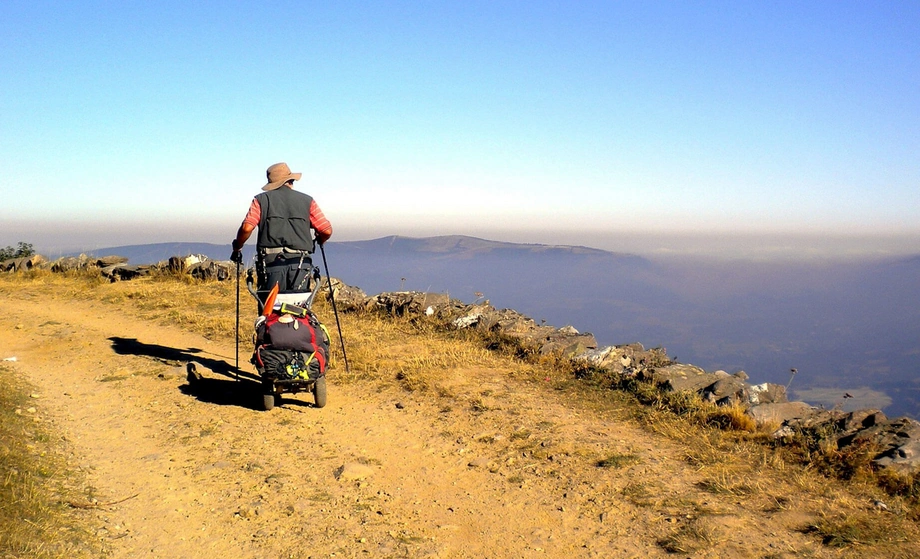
(285, 221)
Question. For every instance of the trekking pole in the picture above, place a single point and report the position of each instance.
(334, 310)
(236, 333)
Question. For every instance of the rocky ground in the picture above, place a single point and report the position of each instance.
(494, 467)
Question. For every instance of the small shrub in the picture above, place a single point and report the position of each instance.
(897, 483)
(410, 381)
(851, 530)
(520, 435)
(690, 537)
(850, 462)
(732, 418)
(617, 461)
(478, 406)
(727, 485)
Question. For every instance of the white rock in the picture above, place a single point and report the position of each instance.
(353, 472)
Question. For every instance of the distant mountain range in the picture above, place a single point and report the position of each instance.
(450, 245)
(848, 326)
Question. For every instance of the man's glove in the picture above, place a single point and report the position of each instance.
(237, 256)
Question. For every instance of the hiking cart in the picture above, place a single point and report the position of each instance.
(291, 345)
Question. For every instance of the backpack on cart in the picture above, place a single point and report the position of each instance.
(291, 343)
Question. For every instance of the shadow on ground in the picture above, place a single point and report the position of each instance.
(244, 393)
(235, 388)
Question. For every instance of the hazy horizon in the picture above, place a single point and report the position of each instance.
(55, 238)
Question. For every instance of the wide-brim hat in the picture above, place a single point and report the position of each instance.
(278, 174)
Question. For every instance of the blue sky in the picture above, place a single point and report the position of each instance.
(598, 123)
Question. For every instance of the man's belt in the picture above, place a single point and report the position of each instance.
(282, 250)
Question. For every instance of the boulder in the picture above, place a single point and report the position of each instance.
(346, 297)
(779, 414)
(508, 321)
(175, 265)
(679, 377)
(844, 427)
(903, 457)
(529, 337)
(121, 272)
(629, 358)
(23, 263)
(471, 315)
(898, 440)
(68, 263)
(182, 264)
(900, 443)
(212, 270)
(609, 358)
(767, 393)
(850, 425)
(110, 261)
(727, 390)
(399, 303)
(567, 342)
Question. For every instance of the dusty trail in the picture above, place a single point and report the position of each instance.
(377, 473)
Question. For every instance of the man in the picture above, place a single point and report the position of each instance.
(284, 244)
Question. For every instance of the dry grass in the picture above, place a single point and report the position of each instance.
(861, 529)
(35, 484)
(618, 461)
(727, 483)
(692, 535)
(901, 484)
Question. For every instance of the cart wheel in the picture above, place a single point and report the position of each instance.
(268, 401)
(319, 392)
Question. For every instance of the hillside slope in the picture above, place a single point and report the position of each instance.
(429, 447)
(850, 326)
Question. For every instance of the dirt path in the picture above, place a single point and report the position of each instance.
(376, 473)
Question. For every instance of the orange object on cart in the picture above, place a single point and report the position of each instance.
(270, 301)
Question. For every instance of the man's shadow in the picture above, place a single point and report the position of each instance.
(236, 388)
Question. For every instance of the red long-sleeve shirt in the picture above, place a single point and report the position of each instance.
(317, 219)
